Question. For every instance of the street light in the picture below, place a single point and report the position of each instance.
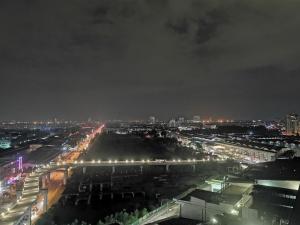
(214, 221)
(234, 212)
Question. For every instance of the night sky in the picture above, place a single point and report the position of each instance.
(130, 59)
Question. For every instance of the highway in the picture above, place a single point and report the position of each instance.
(20, 211)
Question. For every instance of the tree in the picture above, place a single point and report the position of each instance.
(136, 213)
(100, 223)
(125, 217)
(131, 219)
(143, 212)
(107, 219)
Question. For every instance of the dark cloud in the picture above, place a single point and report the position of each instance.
(134, 58)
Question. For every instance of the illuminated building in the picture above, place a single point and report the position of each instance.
(172, 123)
(292, 124)
(196, 119)
(181, 120)
(5, 144)
(152, 120)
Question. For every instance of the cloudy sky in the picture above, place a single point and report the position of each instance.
(130, 59)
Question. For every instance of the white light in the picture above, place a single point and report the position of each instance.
(116, 161)
(194, 160)
(179, 160)
(174, 160)
(93, 161)
(99, 161)
(81, 161)
(143, 161)
(132, 161)
(3, 214)
(234, 212)
(75, 161)
(126, 161)
(109, 161)
(189, 160)
(214, 220)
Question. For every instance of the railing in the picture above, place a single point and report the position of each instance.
(148, 215)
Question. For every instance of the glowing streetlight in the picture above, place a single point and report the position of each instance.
(234, 212)
(214, 221)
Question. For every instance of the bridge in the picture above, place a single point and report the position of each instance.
(20, 212)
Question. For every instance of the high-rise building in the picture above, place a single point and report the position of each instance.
(196, 119)
(292, 124)
(152, 120)
(172, 123)
(181, 120)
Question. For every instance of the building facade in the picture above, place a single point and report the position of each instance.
(292, 124)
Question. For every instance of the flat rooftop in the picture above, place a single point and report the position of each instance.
(208, 196)
(230, 196)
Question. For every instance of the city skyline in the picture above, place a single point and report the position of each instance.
(133, 59)
(141, 112)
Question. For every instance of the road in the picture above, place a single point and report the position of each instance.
(19, 211)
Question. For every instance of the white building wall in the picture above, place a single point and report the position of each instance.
(192, 211)
(198, 209)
